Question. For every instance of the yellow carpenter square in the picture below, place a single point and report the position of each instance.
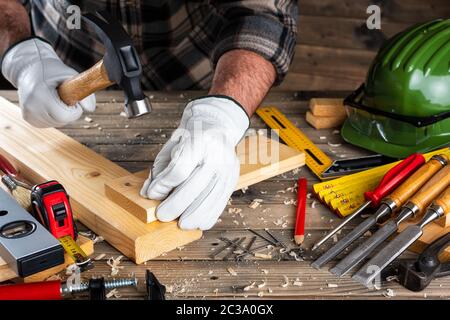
(316, 160)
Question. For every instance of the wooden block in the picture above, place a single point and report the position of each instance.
(327, 107)
(260, 158)
(7, 273)
(48, 154)
(431, 232)
(324, 122)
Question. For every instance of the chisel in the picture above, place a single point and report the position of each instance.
(402, 172)
(396, 247)
(392, 179)
(414, 207)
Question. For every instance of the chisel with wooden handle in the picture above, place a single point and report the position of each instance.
(368, 273)
(391, 180)
(388, 205)
(415, 206)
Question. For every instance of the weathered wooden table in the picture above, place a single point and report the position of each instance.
(189, 272)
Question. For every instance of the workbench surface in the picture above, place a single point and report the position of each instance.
(188, 272)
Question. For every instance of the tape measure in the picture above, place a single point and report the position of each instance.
(345, 194)
(315, 159)
(51, 207)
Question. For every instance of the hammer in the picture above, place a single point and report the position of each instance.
(120, 65)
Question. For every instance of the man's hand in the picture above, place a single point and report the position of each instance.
(197, 169)
(34, 68)
(198, 163)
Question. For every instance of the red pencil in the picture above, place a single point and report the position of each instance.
(299, 234)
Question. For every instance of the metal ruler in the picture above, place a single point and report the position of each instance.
(343, 195)
(316, 160)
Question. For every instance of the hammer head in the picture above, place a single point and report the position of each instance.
(121, 61)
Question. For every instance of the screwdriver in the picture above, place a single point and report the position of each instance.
(371, 270)
(415, 206)
(392, 179)
(388, 206)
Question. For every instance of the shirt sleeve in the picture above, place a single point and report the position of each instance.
(266, 27)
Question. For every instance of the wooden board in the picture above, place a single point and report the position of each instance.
(7, 273)
(327, 107)
(47, 154)
(324, 122)
(256, 165)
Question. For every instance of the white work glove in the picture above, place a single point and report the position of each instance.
(35, 69)
(198, 163)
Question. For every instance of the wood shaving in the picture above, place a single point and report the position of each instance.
(249, 287)
(71, 269)
(114, 264)
(290, 202)
(309, 195)
(335, 238)
(261, 285)
(100, 257)
(313, 204)
(123, 114)
(255, 203)
(297, 283)
(269, 290)
(336, 132)
(286, 282)
(234, 210)
(334, 145)
(86, 127)
(54, 277)
(296, 257)
(244, 190)
(263, 256)
(281, 191)
(265, 271)
(113, 293)
(263, 192)
(332, 285)
(98, 239)
(391, 278)
(296, 170)
(389, 293)
(323, 138)
(88, 119)
(216, 291)
(260, 132)
(260, 294)
(231, 271)
(236, 222)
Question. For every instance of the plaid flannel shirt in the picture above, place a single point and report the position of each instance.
(179, 42)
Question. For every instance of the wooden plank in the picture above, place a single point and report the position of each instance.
(7, 273)
(46, 154)
(260, 158)
(324, 122)
(327, 107)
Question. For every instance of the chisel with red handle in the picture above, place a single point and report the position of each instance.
(391, 180)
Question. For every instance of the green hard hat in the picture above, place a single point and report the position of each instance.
(404, 105)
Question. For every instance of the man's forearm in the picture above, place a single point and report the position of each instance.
(245, 76)
(14, 24)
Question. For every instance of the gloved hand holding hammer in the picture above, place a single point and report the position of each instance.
(238, 51)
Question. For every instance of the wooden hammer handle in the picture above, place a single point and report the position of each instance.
(444, 201)
(84, 84)
(432, 188)
(416, 181)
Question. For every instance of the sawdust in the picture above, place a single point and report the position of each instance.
(389, 293)
(100, 257)
(255, 203)
(285, 284)
(113, 293)
(231, 271)
(263, 256)
(114, 264)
